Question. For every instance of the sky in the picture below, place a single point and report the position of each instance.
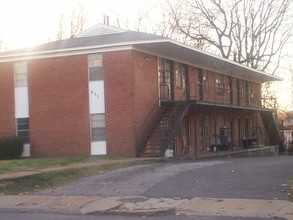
(25, 23)
(30, 22)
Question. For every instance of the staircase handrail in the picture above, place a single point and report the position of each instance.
(144, 127)
(178, 120)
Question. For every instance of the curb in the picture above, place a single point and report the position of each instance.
(132, 205)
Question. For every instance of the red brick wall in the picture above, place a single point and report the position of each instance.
(146, 92)
(7, 117)
(119, 106)
(131, 85)
(256, 91)
(58, 106)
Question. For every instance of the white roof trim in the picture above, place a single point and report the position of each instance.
(122, 46)
(221, 58)
(74, 50)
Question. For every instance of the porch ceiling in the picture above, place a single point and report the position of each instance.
(186, 54)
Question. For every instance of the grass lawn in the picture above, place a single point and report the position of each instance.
(28, 184)
(8, 166)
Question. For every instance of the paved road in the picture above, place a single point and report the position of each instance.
(249, 178)
(257, 180)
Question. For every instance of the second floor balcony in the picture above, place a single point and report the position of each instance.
(246, 96)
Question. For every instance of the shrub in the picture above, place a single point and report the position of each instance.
(11, 148)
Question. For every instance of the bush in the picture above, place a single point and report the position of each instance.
(11, 148)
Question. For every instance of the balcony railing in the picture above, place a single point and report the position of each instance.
(216, 94)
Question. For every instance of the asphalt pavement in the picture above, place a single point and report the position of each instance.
(216, 189)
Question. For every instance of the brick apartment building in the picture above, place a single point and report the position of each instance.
(115, 92)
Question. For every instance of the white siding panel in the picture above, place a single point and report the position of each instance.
(21, 102)
(98, 148)
(96, 97)
(26, 150)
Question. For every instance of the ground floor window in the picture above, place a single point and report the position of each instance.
(98, 127)
(22, 129)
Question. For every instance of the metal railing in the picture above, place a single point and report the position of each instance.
(173, 122)
(148, 123)
(220, 94)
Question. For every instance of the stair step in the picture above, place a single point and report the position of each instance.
(155, 142)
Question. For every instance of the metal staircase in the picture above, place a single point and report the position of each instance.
(164, 130)
(272, 129)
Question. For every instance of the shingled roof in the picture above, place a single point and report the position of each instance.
(79, 42)
(97, 40)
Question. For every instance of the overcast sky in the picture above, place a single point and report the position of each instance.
(28, 22)
(25, 23)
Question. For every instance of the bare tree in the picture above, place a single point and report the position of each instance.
(61, 28)
(77, 20)
(69, 25)
(250, 32)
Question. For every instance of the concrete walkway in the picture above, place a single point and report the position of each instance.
(143, 206)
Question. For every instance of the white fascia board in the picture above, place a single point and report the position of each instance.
(61, 53)
(225, 60)
(74, 51)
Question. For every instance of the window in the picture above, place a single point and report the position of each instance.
(178, 74)
(220, 86)
(161, 71)
(22, 129)
(95, 63)
(20, 74)
(242, 88)
(205, 80)
(164, 71)
(98, 127)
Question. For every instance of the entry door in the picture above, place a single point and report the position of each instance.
(201, 132)
(200, 84)
(247, 93)
(186, 132)
(185, 81)
(169, 79)
(230, 90)
(239, 130)
(238, 91)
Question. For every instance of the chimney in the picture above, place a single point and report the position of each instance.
(106, 19)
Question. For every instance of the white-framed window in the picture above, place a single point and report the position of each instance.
(20, 74)
(22, 129)
(95, 65)
(220, 86)
(98, 127)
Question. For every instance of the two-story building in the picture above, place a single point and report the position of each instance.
(117, 92)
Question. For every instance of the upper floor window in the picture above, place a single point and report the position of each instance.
(205, 80)
(220, 86)
(180, 73)
(165, 68)
(95, 65)
(20, 74)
